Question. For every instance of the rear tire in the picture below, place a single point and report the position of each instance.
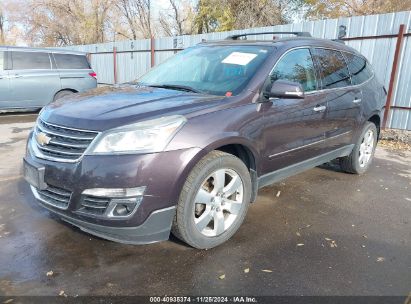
(213, 202)
(62, 94)
(362, 154)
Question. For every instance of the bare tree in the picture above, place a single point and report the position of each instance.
(178, 19)
(226, 15)
(318, 9)
(256, 13)
(2, 27)
(137, 15)
(9, 33)
(66, 22)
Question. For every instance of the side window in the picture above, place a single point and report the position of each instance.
(69, 61)
(359, 68)
(297, 66)
(334, 71)
(30, 60)
(1, 60)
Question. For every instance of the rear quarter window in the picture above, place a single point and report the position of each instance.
(333, 69)
(359, 68)
(70, 61)
(30, 60)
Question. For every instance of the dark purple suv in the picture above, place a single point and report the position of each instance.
(186, 148)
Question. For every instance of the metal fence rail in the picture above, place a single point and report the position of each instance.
(384, 39)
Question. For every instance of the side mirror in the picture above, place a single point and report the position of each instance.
(285, 89)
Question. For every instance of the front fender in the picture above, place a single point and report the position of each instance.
(232, 138)
(221, 140)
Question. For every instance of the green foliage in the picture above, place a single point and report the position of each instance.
(226, 15)
(211, 16)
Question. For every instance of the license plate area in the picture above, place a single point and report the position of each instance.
(34, 174)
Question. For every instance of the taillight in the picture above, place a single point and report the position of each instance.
(93, 74)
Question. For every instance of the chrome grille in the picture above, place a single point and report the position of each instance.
(56, 197)
(66, 144)
(94, 205)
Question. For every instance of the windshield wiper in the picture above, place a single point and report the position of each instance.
(174, 87)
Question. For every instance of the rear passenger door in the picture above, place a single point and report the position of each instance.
(75, 72)
(5, 97)
(361, 74)
(343, 100)
(33, 80)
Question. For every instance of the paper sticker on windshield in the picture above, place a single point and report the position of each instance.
(239, 58)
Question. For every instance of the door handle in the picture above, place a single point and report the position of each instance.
(319, 108)
(357, 100)
(17, 76)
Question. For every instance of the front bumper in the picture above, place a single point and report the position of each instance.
(163, 175)
(155, 228)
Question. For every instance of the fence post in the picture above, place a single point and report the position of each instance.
(115, 64)
(393, 76)
(152, 51)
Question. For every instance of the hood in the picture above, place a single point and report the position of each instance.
(109, 107)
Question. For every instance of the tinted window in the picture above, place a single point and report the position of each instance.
(1, 61)
(359, 68)
(30, 60)
(67, 61)
(296, 66)
(333, 69)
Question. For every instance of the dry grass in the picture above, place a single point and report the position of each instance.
(394, 145)
(396, 140)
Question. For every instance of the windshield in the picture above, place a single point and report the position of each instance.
(216, 70)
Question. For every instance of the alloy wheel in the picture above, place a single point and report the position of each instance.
(366, 149)
(218, 202)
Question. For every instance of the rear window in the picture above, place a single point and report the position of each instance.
(1, 61)
(333, 69)
(359, 68)
(69, 61)
(30, 60)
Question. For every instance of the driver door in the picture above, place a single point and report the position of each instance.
(295, 128)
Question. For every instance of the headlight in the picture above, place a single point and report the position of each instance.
(146, 136)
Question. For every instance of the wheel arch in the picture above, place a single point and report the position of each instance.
(248, 157)
(235, 145)
(65, 89)
(375, 118)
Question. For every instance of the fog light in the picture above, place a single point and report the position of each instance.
(121, 210)
(123, 202)
(123, 207)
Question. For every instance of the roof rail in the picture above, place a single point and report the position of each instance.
(298, 34)
(338, 40)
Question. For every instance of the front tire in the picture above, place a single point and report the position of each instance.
(213, 202)
(362, 154)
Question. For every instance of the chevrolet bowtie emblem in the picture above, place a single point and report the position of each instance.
(42, 139)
